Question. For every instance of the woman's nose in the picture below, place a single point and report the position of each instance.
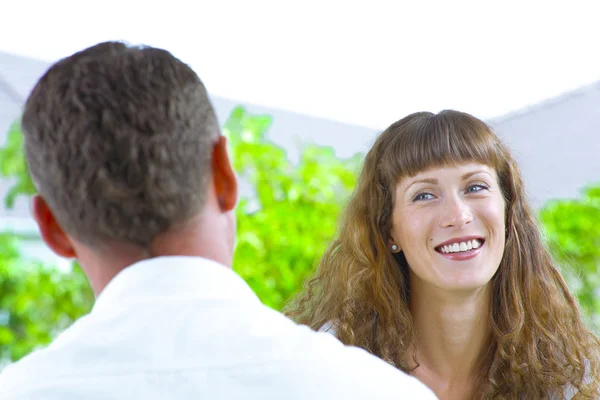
(456, 213)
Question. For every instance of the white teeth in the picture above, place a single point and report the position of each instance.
(462, 246)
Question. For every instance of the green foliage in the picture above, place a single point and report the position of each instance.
(572, 228)
(285, 223)
(287, 214)
(13, 165)
(36, 301)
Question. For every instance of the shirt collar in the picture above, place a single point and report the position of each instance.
(174, 276)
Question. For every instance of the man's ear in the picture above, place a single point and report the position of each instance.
(224, 177)
(52, 233)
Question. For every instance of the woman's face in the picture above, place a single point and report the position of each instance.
(449, 222)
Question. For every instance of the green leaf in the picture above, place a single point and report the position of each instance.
(572, 229)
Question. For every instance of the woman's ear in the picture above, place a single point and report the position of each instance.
(393, 245)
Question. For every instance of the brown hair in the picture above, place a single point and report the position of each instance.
(540, 342)
(118, 141)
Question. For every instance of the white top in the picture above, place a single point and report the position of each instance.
(568, 393)
(189, 328)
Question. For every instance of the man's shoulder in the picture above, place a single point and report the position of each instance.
(321, 359)
(256, 344)
(22, 374)
(301, 361)
(364, 371)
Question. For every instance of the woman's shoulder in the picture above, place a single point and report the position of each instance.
(569, 391)
(328, 327)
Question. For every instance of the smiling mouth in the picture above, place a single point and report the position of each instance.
(465, 246)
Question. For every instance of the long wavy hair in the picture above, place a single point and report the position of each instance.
(540, 342)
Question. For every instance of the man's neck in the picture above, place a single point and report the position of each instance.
(193, 239)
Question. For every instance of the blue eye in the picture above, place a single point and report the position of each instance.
(476, 188)
(423, 196)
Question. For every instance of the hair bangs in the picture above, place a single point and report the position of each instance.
(425, 140)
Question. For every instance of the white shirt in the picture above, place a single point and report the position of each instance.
(568, 393)
(189, 328)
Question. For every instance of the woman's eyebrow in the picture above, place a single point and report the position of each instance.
(470, 174)
(431, 181)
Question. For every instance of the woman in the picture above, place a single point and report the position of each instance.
(440, 269)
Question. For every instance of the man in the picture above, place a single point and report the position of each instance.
(135, 183)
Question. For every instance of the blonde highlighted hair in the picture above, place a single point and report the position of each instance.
(539, 340)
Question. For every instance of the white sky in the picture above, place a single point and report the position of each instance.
(366, 63)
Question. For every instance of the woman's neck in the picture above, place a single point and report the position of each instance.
(453, 332)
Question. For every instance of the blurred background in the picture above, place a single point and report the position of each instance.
(302, 89)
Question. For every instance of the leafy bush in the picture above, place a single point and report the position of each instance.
(284, 222)
(286, 215)
(36, 301)
(292, 212)
(14, 167)
(572, 228)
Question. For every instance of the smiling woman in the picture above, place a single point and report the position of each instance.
(440, 269)
(449, 222)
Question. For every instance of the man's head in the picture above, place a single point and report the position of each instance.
(124, 148)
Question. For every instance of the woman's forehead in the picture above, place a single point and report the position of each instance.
(439, 171)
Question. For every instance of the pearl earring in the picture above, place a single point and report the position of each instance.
(394, 247)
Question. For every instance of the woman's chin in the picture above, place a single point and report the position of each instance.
(464, 282)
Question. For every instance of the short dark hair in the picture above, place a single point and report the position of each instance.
(119, 140)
